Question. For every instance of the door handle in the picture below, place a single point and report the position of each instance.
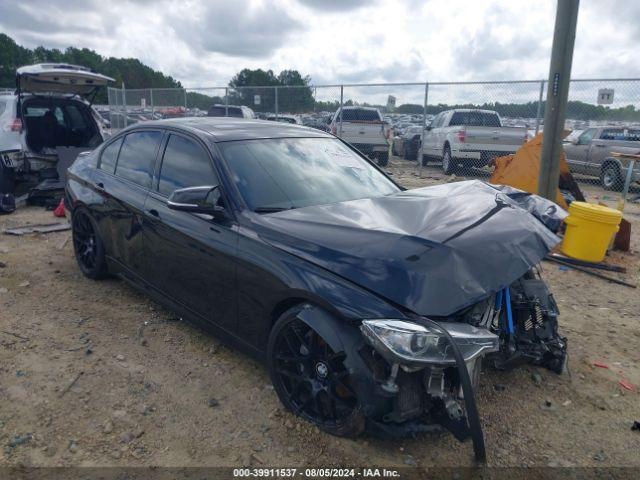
(99, 186)
(600, 145)
(153, 212)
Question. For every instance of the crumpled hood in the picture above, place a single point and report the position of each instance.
(433, 250)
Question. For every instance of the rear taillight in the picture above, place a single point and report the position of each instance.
(461, 136)
(16, 125)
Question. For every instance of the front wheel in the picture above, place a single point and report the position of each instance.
(610, 178)
(87, 245)
(311, 379)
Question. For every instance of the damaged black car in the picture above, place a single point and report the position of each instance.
(373, 306)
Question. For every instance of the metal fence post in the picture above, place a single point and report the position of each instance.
(153, 110)
(276, 102)
(341, 104)
(539, 114)
(185, 101)
(226, 101)
(424, 126)
(555, 110)
(124, 103)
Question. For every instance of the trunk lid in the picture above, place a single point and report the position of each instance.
(59, 78)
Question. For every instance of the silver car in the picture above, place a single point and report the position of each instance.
(49, 110)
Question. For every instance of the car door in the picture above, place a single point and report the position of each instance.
(601, 147)
(430, 137)
(441, 133)
(578, 153)
(190, 257)
(123, 180)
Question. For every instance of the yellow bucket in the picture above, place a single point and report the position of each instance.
(589, 231)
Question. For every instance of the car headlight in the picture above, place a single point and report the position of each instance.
(400, 341)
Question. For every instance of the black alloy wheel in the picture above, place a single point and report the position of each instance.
(311, 379)
(87, 246)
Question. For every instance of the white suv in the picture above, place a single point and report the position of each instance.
(49, 110)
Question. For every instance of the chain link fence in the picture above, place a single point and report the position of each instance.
(456, 128)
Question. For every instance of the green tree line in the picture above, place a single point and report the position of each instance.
(244, 86)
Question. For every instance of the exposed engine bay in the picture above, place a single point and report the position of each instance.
(515, 326)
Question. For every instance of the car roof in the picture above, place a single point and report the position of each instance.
(466, 110)
(225, 129)
(356, 107)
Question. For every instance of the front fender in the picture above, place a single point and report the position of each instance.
(343, 337)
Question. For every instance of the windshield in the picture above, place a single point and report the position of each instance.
(284, 173)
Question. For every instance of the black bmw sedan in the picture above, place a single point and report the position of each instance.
(372, 306)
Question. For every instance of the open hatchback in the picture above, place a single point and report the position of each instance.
(48, 119)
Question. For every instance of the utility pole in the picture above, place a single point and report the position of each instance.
(564, 36)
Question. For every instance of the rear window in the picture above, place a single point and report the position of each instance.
(475, 119)
(359, 115)
(219, 111)
(137, 156)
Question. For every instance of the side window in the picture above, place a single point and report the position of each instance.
(76, 119)
(137, 156)
(612, 134)
(587, 136)
(184, 164)
(3, 106)
(110, 156)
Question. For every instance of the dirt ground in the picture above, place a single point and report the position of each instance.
(95, 374)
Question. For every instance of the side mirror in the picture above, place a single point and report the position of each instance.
(203, 199)
(428, 128)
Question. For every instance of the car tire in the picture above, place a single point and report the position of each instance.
(383, 159)
(7, 179)
(611, 178)
(407, 156)
(448, 165)
(88, 247)
(311, 379)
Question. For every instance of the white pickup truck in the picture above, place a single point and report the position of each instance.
(364, 129)
(470, 138)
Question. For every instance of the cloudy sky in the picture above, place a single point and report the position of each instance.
(204, 42)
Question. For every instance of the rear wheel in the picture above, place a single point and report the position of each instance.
(610, 177)
(448, 165)
(311, 379)
(87, 245)
(383, 158)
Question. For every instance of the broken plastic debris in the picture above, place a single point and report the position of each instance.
(600, 365)
(626, 385)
